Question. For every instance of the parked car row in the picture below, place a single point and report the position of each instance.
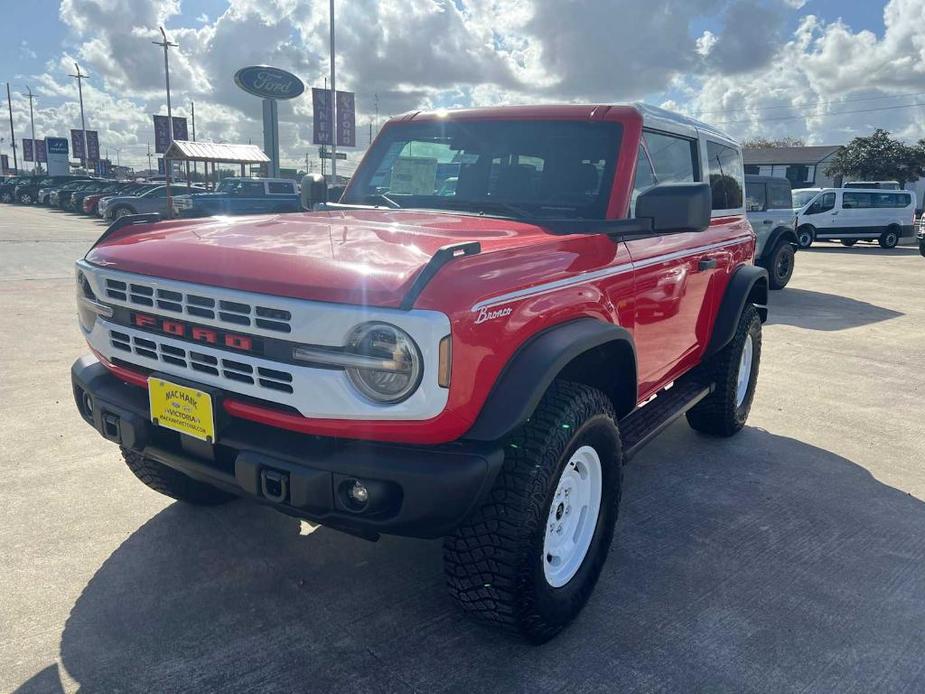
(113, 199)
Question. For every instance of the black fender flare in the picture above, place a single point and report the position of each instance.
(538, 362)
(748, 285)
(780, 233)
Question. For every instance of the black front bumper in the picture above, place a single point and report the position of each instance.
(417, 491)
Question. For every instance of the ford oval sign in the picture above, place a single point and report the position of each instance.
(268, 82)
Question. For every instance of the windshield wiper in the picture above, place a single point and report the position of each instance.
(382, 196)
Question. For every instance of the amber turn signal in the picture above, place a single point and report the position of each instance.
(446, 362)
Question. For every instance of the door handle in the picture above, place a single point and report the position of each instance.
(707, 264)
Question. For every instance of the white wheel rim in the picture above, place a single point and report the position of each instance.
(745, 370)
(572, 517)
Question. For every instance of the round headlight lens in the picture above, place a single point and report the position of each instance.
(394, 368)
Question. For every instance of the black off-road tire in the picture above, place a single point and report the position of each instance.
(172, 483)
(780, 265)
(848, 242)
(922, 247)
(805, 236)
(494, 562)
(719, 414)
(890, 238)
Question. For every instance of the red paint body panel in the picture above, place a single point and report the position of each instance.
(373, 256)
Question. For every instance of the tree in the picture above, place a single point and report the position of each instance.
(764, 143)
(879, 157)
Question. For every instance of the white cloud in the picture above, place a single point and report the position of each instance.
(743, 72)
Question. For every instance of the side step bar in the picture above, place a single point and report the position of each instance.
(644, 423)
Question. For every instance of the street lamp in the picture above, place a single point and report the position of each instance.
(35, 154)
(165, 44)
(83, 124)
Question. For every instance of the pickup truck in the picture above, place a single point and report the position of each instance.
(769, 205)
(475, 366)
(151, 200)
(235, 196)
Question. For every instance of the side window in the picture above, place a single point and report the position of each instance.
(857, 201)
(724, 165)
(645, 177)
(779, 196)
(755, 197)
(672, 157)
(159, 193)
(823, 203)
(279, 187)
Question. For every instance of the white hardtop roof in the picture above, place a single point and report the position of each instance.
(663, 119)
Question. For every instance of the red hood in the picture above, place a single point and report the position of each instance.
(358, 256)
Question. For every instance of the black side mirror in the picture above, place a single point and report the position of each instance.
(676, 207)
(314, 191)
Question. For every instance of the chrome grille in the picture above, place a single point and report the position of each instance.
(233, 313)
(232, 369)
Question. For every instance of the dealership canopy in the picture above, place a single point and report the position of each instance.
(184, 150)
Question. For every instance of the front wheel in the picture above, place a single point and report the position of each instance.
(805, 236)
(26, 199)
(734, 371)
(169, 482)
(782, 262)
(529, 558)
(889, 238)
(120, 212)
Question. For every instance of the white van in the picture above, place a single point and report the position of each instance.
(850, 215)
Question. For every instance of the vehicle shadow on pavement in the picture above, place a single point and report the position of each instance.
(863, 250)
(752, 563)
(803, 308)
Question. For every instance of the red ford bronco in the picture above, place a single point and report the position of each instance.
(503, 308)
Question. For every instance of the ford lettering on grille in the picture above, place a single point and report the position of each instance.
(196, 333)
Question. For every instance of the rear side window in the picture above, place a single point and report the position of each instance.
(755, 197)
(277, 187)
(724, 166)
(672, 157)
(893, 200)
(779, 197)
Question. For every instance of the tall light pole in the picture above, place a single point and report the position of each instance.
(35, 154)
(83, 123)
(192, 108)
(149, 159)
(9, 103)
(166, 45)
(333, 106)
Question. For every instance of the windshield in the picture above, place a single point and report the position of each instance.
(801, 197)
(561, 169)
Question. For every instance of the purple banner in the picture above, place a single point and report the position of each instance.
(40, 153)
(77, 144)
(160, 166)
(93, 145)
(103, 167)
(4, 163)
(162, 132)
(346, 119)
(27, 150)
(321, 115)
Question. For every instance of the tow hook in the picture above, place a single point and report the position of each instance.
(274, 485)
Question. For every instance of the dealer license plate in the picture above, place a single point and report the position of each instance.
(182, 409)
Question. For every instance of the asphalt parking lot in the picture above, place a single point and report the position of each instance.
(790, 558)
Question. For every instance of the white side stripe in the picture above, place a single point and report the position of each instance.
(612, 271)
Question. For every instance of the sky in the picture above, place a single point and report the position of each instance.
(820, 70)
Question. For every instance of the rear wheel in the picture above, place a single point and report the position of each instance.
(121, 211)
(529, 558)
(848, 242)
(782, 262)
(169, 482)
(805, 236)
(889, 238)
(734, 371)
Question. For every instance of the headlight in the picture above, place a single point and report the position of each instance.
(399, 372)
(88, 307)
(380, 359)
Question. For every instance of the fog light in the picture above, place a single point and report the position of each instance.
(88, 405)
(358, 493)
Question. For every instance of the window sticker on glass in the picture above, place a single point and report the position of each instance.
(414, 176)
